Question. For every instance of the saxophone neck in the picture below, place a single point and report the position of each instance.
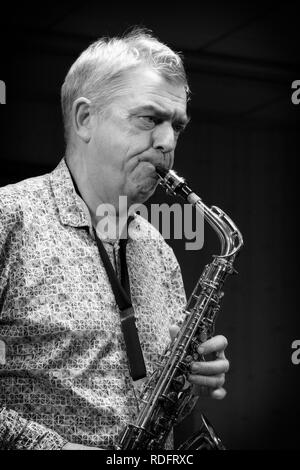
(229, 235)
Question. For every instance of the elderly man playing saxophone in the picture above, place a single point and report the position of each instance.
(64, 374)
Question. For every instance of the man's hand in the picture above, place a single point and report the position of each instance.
(208, 377)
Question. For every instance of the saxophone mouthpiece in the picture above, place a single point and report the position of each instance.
(173, 183)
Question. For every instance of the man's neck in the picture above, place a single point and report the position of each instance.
(106, 214)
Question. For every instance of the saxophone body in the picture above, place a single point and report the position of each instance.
(167, 394)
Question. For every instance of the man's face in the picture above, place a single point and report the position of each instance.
(137, 131)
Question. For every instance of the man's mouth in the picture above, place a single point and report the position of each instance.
(149, 168)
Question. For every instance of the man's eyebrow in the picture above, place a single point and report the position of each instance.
(184, 120)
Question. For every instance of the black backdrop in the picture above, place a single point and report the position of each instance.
(240, 152)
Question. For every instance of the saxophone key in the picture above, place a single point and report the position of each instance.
(203, 336)
(178, 383)
(168, 401)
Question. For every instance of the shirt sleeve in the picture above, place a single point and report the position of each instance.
(177, 296)
(20, 434)
(8, 222)
(17, 432)
(3, 236)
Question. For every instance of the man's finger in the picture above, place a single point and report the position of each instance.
(217, 344)
(219, 366)
(220, 355)
(214, 381)
(218, 393)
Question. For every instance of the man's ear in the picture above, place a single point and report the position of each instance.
(81, 118)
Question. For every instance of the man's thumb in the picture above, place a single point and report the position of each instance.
(173, 330)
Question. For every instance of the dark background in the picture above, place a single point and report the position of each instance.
(239, 152)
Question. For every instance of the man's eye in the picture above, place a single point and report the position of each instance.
(150, 120)
(178, 128)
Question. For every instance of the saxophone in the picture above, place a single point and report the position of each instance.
(167, 394)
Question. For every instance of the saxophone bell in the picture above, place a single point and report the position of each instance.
(204, 439)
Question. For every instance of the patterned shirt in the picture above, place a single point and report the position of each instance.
(63, 367)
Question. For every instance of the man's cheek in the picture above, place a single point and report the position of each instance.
(143, 171)
(143, 182)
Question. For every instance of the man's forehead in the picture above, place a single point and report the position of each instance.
(148, 89)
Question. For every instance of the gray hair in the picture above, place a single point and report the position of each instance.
(97, 72)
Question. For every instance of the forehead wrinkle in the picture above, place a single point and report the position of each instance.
(161, 112)
(168, 95)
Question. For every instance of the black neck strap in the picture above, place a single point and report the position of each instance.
(122, 295)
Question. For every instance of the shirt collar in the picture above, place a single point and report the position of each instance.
(71, 208)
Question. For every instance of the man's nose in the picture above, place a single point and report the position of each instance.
(164, 138)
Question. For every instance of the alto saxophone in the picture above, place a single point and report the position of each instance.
(166, 395)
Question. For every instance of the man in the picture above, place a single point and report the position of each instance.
(65, 380)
